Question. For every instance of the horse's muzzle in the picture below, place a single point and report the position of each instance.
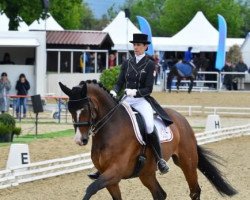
(85, 141)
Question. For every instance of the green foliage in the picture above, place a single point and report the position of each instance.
(69, 14)
(7, 120)
(17, 131)
(8, 125)
(167, 17)
(4, 129)
(109, 77)
(234, 54)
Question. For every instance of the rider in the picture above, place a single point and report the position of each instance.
(137, 75)
(188, 57)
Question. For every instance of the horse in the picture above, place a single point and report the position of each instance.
(115, 148)
(182, 71)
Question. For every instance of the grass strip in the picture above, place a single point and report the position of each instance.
(32, 137)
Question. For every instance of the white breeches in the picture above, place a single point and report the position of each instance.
(145, 109)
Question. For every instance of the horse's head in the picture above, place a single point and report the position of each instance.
(82, 111)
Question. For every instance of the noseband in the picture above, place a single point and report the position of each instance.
(94, 126)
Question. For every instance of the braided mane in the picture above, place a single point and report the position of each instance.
(95, 82)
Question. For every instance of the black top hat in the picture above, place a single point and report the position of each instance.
(140, 38)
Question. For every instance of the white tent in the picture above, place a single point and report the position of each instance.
(4, 24)
(121, 31)
(198, 33)
(49, 24)
(245, 49)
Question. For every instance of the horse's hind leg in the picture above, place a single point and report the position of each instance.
(188, 164)
(154, 187)
(191, 85)
(115, 192)
(178, 84)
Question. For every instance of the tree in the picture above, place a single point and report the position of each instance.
(151, 10)
(69, 14)
(178, 13)
(167, 17)
(245, 11)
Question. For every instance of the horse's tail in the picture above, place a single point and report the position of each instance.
(213, 174)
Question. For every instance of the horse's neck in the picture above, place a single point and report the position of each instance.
(102, 101)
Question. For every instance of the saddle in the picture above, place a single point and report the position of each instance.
(164, 132)
(184, 69)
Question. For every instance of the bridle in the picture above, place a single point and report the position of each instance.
(94, 126)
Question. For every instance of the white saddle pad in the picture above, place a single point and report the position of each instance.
(165, 134)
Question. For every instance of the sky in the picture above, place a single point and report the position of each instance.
(100, 7)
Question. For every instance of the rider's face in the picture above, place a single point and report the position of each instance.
(139, 48)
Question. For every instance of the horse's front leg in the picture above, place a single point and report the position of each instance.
(154, 187)
(107, 179)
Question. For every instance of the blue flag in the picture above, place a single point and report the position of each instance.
(221, 50)
(145, 28)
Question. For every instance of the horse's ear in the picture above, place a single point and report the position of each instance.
(84, 89)
(65, 89)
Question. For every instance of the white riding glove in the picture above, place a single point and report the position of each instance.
(130, 92)
(113, 93)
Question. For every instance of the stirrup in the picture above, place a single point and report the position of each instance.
(162, 166)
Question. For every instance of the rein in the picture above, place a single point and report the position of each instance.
(94, 127)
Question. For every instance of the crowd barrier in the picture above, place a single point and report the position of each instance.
(214, 83)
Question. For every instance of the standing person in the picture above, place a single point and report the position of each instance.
(228, 78)
(241, 67)
(22, 87)
(112, 60)
(5, 87)
(157, 67)
(137, 76)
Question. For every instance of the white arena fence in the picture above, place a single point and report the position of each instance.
(191, 110)
(200, 84)
(50, 168)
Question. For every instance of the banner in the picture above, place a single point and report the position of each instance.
(221, 50)
(145, 28)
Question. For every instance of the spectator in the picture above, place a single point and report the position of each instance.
(5, 87)
(229, 79)
(22, 87)
(241, 67)
(112, 60)
(157, 68)
(100, 63)
(6, 59)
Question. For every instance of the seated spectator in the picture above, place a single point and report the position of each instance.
(6, 59)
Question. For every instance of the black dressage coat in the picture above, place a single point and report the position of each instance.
(140, 76)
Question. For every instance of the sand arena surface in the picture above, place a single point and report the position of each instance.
(235, 152)
(71, 187)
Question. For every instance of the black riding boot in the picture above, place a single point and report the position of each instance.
(156, 146)
(94, 175)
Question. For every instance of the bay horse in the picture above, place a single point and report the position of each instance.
(115, 148)
(182, 71)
